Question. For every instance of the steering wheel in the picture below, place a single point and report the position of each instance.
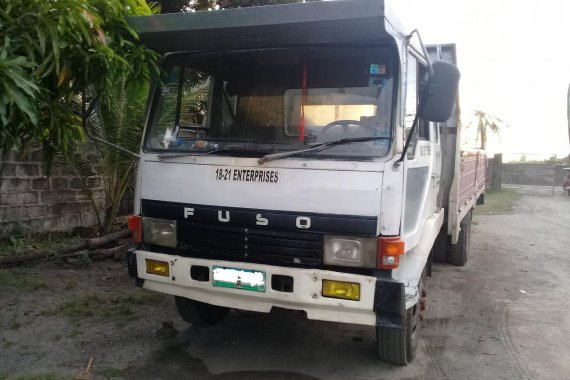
(345, 123)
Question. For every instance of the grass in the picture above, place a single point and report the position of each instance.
(499, 202)
(111, 372)
(110, 308)
(73, 333)
(19, 280)
(21, 243)
(6, 344)
(71, 285)
(35, 376)
(15, 325)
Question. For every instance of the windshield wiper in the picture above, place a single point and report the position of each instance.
(229, 148)
(318, 147)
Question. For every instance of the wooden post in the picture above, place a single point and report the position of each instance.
(496, 178)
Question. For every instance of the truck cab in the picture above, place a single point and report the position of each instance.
(290, 160)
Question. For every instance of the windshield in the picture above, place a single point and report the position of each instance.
(275, 100)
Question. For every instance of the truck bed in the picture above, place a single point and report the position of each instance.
(467, 186)
(471, 177)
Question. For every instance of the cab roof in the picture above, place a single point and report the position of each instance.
(354, 22)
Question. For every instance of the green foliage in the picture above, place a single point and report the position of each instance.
(499, 202)
(18, 280)
(173, 6)
(39, 376)
(51, 50)
(110, 372)
(252, 3)
(555, 160)
(118, 119)
(117, 308)
(24, 242)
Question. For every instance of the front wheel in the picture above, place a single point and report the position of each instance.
(200, 313)
(399, 346)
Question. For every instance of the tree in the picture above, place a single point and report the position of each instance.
(51, 51)
(173, 6)
(487, 122)
(252, 3)
(118, 118)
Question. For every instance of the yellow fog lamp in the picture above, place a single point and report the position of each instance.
(159, 268)
(342, 290)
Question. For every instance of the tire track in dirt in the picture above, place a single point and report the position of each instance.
(517, 366)
(548, 215)
(437, 327)
(435, 346)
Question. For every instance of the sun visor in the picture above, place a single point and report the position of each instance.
(352, 22)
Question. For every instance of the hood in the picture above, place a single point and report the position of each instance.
(334, 196)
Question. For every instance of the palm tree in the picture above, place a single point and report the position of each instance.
(487, 122)
(118, 119)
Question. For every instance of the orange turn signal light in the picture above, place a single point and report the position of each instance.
(389, 251)
(135, 226)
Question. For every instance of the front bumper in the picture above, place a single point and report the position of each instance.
(381, 300)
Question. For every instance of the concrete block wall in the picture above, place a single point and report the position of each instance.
(529, 174)
(32, 202)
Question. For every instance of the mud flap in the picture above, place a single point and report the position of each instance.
(132, 267)
(389, 303)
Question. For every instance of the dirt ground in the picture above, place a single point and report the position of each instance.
(503, 316)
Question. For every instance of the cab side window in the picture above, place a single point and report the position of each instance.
(416, 80)
(411, 91)
(423, 125)
(411, 103)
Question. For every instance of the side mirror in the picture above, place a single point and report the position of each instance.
(440, 92)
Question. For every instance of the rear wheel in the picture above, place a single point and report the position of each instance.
(399, 346)
(459, 252)
(200, 313)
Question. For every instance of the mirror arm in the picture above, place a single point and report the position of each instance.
(424, 49)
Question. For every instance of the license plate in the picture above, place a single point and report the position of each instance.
(237, 278)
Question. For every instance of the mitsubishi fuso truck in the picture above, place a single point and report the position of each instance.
(302, 156)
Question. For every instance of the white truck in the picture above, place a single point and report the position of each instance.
(297, 157)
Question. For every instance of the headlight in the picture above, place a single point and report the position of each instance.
(350, 251)
(159, 232)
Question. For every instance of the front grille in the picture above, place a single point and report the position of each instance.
(252, 245)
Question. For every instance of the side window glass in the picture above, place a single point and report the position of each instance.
(163, 132)
(411, 101)
(423, 125)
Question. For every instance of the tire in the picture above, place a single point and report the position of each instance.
(459, 252)
(200, 313)
(440, 250)
(399, 346)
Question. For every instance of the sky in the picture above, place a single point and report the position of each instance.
(514, 57)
